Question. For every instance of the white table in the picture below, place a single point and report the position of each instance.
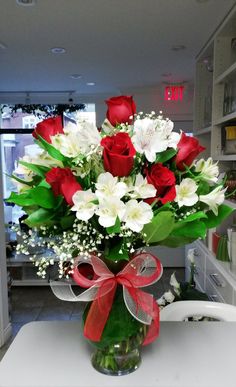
(187, 354)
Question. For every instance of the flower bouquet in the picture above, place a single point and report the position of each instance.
(96, 199)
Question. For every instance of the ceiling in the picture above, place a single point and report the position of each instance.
(117, 44)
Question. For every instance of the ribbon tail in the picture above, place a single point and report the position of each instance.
(153, 331)
(98, 313)
(144, 308)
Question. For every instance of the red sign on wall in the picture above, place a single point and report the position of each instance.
(174, 93)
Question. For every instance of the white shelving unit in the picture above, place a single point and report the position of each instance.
(215, 108)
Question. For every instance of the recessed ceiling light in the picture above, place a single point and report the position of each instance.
(90, 83)
(75, 76)
(3, 46)
(25, 2)
(58, 50)
(178, 47)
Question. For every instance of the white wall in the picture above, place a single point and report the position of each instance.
(5, 326)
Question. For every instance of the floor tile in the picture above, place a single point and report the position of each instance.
(56, 313)
(24, 315)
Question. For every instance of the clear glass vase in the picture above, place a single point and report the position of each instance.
(119, 350)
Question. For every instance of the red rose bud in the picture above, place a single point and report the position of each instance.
(164, 181)
(118, 154)
(63, 182)
(120, 109)
(188, 149)
(49, 127)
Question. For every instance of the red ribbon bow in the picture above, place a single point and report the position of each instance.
(144, 269)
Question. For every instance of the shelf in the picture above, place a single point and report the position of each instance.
(226, 74)
(30, 282)
(224, 119)
(202, 131)
(224, 157)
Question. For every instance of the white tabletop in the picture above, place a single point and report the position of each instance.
(187, 354)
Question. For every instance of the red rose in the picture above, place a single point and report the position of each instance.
(63, 182)
(48, 128)
(120, 109)
(188, 149)
(118, 154)
(164, 181)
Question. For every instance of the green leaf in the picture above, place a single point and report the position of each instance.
(114, 229)
(192, 217)
(195, 229)
(22, 200)
(39, 217)
(159, 228)
(113, 253)
(43, 197)
(203, 188)
(185, 233)
(43, 183)
(55, 153)
(67, 221)
(214, 220)
(39, 170)
(162, 157)
(176, 241)
(29, 183)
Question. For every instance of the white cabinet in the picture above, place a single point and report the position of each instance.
(212, 276)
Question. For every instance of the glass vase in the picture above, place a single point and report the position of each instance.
(119, 358)
(119, 350)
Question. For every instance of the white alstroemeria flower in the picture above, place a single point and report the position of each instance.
(137, 214)
(142, 189)
(22, 169)
(186, 193)
(214, 198)
(169, 296)
(175, 284)
(108, 186)
(161, 301)
(190, 256)
(108, 210)
(88, 136)
(67, 144)
(209, 171)
(147, 139)
(83, 204)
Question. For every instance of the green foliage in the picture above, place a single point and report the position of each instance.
(185, 232)
(166, 155)
(159, 228)
(66, 222)
(214, 220)
(113, 252)
(53, 152)
(39, 170)
(44, 197)
(22, 200)
(114, 229)
(39, 217)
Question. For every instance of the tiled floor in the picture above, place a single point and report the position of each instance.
(39, 303)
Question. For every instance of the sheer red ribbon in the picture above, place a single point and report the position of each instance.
(143, 270)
